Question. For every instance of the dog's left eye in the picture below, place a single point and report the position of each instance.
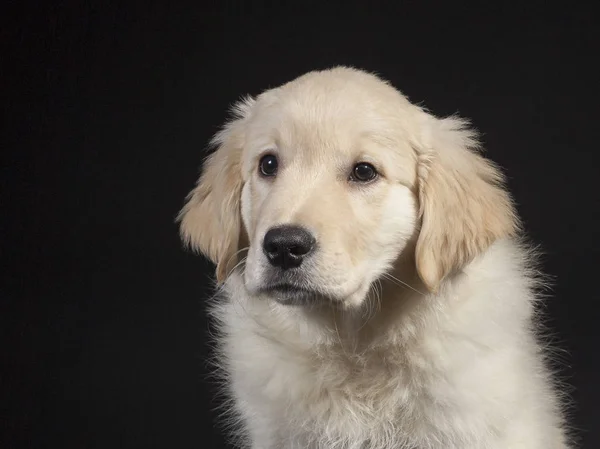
(363, 172)
(268, 165)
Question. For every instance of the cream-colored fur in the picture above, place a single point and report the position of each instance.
(421, 331)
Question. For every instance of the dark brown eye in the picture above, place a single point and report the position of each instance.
(268, 165)
(363, 172)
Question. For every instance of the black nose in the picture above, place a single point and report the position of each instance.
(286, 246)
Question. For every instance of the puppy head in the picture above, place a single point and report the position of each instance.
(329, 178)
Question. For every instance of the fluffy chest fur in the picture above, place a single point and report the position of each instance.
(426, 372)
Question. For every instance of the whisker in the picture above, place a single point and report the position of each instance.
(401, 283)
(379, 295)
(246, 248)
(237, 265)
(371, 307)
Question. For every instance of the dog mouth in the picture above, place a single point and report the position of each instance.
(290, 294)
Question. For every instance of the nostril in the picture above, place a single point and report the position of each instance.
(271, 248)
(298, 250)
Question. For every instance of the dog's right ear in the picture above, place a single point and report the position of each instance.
(210, 221)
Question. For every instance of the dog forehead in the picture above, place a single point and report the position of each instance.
(328, 120)
(332, 116)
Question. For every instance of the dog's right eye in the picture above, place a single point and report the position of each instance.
(268, 165)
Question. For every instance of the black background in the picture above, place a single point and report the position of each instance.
(107, 110)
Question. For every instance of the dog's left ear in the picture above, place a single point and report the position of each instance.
(210, 221)
(464, 206)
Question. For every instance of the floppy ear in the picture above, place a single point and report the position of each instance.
(464, 206)
(210, 221)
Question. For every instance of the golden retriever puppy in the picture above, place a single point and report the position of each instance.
(374, 291)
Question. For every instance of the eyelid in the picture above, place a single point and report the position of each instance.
(266, 152)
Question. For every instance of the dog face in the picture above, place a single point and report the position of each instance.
(328, 179)
(327, 201)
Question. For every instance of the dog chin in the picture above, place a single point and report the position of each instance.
(289, 295)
